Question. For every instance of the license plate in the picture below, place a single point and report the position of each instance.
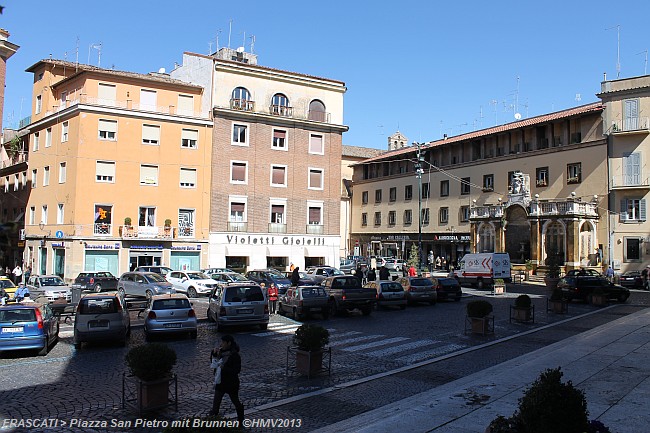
(172, 325)
(14, 329)
(102, 324)
(245, 311)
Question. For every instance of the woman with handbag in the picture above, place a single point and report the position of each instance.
(226, 362)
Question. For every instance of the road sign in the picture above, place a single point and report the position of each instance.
(58, 234)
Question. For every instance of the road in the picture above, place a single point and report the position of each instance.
(368, 351)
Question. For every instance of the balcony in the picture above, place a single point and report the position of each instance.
(127, 104)
(541, 182)
(488, 188)
(237, 226)
(564, 208)
(632, 125)
(242, 104)
(486, 212)
(277, 228)
(15, 159)
(146, 232)
(318, 116)
(281, 110)
(101, 229)
(315, 229)
(630, 181)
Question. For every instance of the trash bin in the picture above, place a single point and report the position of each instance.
(76, 295)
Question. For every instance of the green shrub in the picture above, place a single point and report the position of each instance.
(553, 262)
(311, 338)
(479, 308)
(150, 362)
(522, 301)
(127, 221)
(556, 294)
(168, 222)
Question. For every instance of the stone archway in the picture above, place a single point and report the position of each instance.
(517, 234)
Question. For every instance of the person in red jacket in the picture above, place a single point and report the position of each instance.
(273, 298)
(412, 271)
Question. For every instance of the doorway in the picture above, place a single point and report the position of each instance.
(59, 262)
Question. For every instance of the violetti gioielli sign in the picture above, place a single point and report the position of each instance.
(274, 240)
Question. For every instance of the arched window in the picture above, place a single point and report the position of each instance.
(280, 105)
(486, 239)
(241, 99)
(554, 242)
(317, 111)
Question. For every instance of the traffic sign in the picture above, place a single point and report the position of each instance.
(58, 234)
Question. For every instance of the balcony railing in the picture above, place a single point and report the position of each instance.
(101, 229)
(541, 182)
(319, 116)
(242, 104)
(147, 232)
(564, 208)
(630, 181)
(281, 110)
(486, 212)
(277, 228)
(315, 229)
(237, 226)
(185, 232)
(14, 160)
(632, 124)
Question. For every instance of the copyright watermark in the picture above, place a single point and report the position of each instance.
(272, 422)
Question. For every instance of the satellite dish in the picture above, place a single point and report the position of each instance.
(517, 116)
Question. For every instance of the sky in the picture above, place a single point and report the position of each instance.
(423, 67)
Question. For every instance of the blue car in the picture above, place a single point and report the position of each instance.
(28, 326)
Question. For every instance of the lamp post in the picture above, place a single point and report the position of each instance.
(418, 173)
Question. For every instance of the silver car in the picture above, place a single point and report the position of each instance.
(239, 304)
(101, 317)
(51, 287)
(143, 284)
(169, 314)
(389, 293)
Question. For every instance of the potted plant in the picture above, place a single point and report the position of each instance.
(529, 269)
(478, 313)
(598, 297)
(168, 226)
(557, 303)
(310, 341)
(552, 270)
(523, 308)
(127, 228)
(499, 286)
(152, 365)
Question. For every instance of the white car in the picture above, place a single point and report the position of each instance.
(51, 287)
(193, 283)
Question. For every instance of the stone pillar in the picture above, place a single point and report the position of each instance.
(573, 243)
(536, 241)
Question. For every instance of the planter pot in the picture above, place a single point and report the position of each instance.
(309, 363)
(598, 300)
(153, 394)
(498, 289)
(522, 314)
(480, 325)
(551, 283)
(558, 306)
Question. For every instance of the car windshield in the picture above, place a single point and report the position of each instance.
(420, 282)
(447, 281)
(6, 284)
(17, 315)
(275, 272)
(197, 276)
(52, 281)
(243, 294)
(237, 277)
(313, 292)
(97, 306)
(155, 278)
(170, 304)
(337, 272)
(391, 287)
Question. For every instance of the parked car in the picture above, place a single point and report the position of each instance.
(192, 283)
(51, 287)
(169, 314)
(392, 264)
(302, 301)
(632, 280)
(95, 281)
(583, 273)
(239, 304)
(389, 293)
(319, 273)
(218, 270)
(346, 293)
(223, 278)
(305, 278)
(8, 286)
(101, 317)
(160, 270)
(270, 277)
(447, 288)
(28, 326)
(347, 266)
(143, 284)
(418, 289)
(581, 287)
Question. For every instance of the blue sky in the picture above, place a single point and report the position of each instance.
(424, 67)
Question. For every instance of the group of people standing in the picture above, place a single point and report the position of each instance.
(16, 274)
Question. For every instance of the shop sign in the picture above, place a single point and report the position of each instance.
(146, 247)
(274, 240)
(186, 248)
(451, 238)
(58, 244)
(398, 238)
(115, 246)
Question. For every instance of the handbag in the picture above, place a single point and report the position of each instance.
(216, 365)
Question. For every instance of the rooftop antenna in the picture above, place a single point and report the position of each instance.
(494, 102)
(516, 107)
(252, 44)
(98, 47)
(229, 32)
(618, 49)
(480, 125)
(645, 67)
(578, 97)
(441, 128)
(77, 53)
(210, 48)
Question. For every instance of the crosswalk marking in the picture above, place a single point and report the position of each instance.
(428, 354)
(354, 340)
(374, 344)
(400, 348)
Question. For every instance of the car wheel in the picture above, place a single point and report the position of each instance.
(148, 294)
(280, 310)
(191, 292)
(121, 292)
(334, 310)
(264, 326)
(97, 288)
(193, 335)
(622, 297)
(457, 299)
(297, 316)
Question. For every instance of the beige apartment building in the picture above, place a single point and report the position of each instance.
(119, 171)
(276, 171)
(528, 188)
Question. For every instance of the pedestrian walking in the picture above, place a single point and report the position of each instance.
(384, 274)
(438, 262)
(430, 261)
(444, 263)
(27, 274)
(226, 362)
(18, 274)
(364, 275)
(644, 275)
(273, 298)
(295, 277)
(412, 271)
(372, 275)
(291, 267)
(609, 273)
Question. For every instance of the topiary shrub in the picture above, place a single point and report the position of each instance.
(311, 338)
(556, 294)
(523, 302)
(150, 362)
(479, 308)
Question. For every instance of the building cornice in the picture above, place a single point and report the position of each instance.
(291, 122)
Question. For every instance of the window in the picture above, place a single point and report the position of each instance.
(46, 176)
(317, 111)
(444, 188)
(408, 217)
(37, 141)
(186, 222)
(64, 99)
(280, 105)
(541, 176)
(392, 194)
(238, 211)
(488, 182)
(465, 185)
(315, 178)
(377, 218)
(377, 196)
(277, 214)
(148, 100)
(59, 213)
(574, 173)
(44, 214)
(147, 217)
(241, 99)
(34, 178)
(106, 94)
(279, 139)
(185, 105)
(188, 178)
(408, 192)
(39, 104)
(105, 171)
(64, 132)
(149, 175)
(426, 190)
(278, 175)
(189, 138)
(316, 144)
(464, 214)
(632, 169)
(151, 134)
(48, 137)
(238, 172)
(103, 219)
(239, 134)
(32, 215)
(632, 249)
(391, 218)
(633, 209)
(107, 129)
(364, 197)
(630, 114)
(425, 215)
(315, 213)
(444, 215)
(364, 219)
(486, 237)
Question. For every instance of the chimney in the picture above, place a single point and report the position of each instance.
(7, 49)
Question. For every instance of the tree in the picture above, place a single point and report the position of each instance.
(414, 257)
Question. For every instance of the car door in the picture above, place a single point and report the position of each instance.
(34, 287)
(176, 278)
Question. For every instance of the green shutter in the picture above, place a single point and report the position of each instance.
(642, 209)
(623, 210)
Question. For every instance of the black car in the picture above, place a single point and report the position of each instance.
(582, 287)
(95, 281)
(632, 279)
(447, 288)
(270, 277)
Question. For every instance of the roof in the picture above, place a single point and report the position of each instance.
(537, 120)
(361, 152)
(81, 68)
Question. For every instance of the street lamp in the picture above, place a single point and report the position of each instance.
(418, 173)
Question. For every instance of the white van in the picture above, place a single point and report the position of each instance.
(482, 269)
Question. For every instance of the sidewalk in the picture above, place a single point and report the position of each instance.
(610, 363)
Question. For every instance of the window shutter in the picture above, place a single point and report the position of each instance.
(279, 209)
(148, 174)
(316, 143)
(105, 168)
(239, 172)
(148, 100)
(107, 125)
(190, 134)
(106, 93)
(151, 133)
(185, 105)
(314, 215)
(623, 210)
(188, 176)
(315, 179)
(237, 207)
(279, 134)
(278, 176)
(642, 209)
